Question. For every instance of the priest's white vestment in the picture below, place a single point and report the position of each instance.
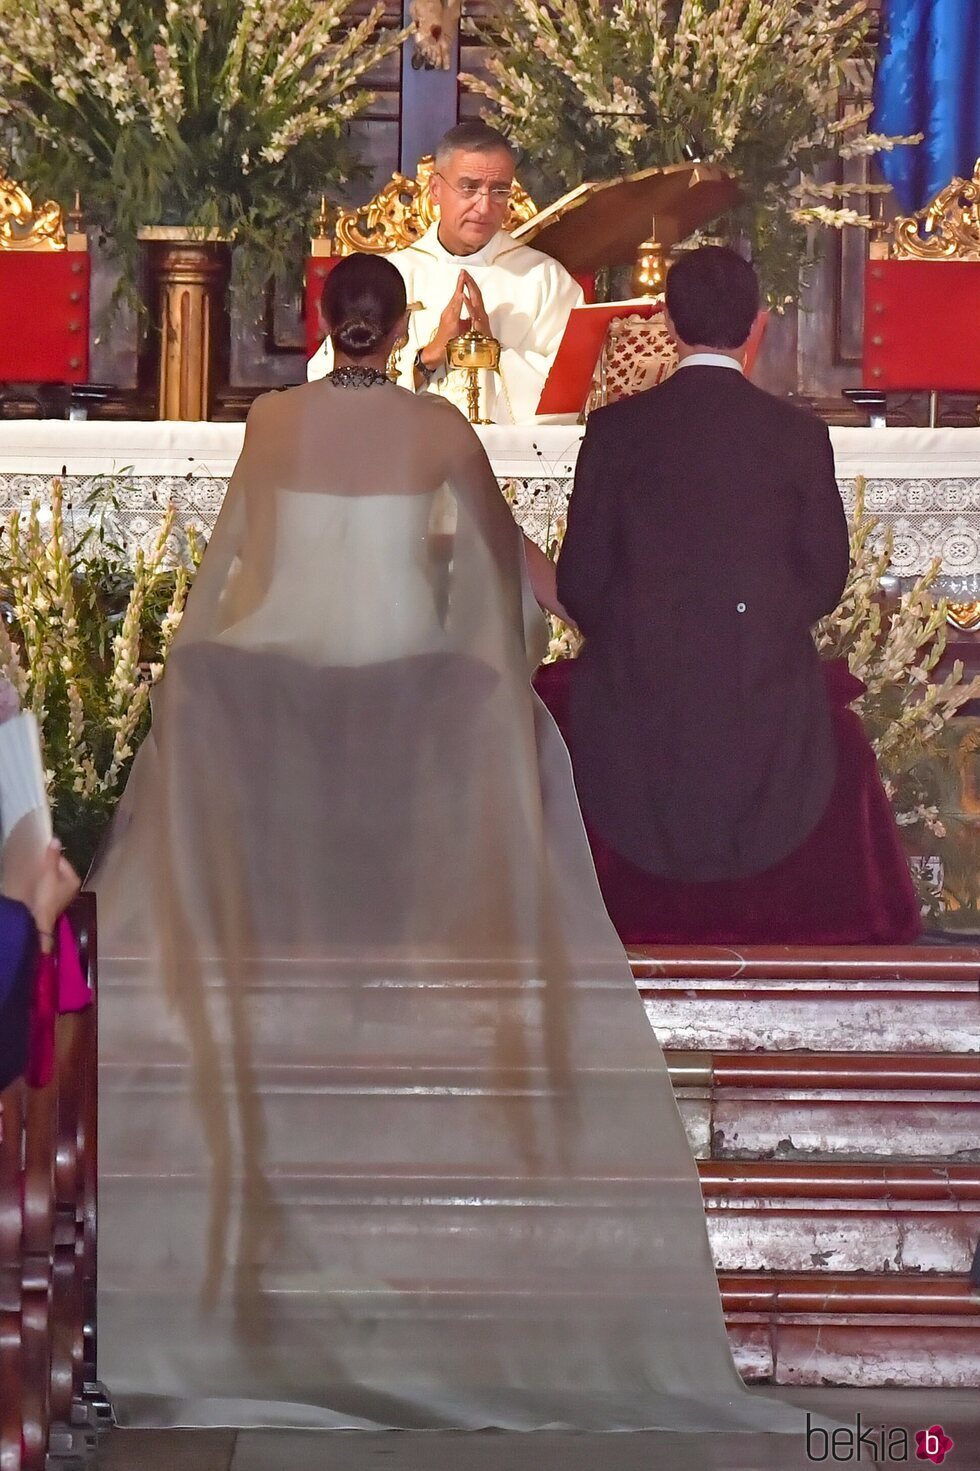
(528, 297)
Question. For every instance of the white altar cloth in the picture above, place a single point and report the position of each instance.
(923, 484)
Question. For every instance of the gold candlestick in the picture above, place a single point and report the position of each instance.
(473, 352)
(650, 266)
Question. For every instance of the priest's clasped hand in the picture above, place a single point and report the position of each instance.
(465, 309)
(475, 309)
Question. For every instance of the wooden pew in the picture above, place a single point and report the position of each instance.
(49, 1399)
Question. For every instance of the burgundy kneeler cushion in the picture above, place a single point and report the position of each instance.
(847, 884)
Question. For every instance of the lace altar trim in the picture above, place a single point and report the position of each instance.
(928, 518)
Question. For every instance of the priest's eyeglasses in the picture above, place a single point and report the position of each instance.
(470, 189)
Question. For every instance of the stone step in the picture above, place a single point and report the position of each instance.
(861, 1329)
(805, 1329)
(807, 963)
(919, 999)
(833, 1099)
(774, 1217)
(824, 1105)
(777, 1216)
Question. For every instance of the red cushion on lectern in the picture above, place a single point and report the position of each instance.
(922, 325)
(318, 268)
(44, 314)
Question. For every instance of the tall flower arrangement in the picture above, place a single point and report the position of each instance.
(84, 634)
(228, 116)
(596, 88)
(895, 649)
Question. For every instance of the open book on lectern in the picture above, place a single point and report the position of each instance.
(568, 384)
(572, 373)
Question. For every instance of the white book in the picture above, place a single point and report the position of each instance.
(22, 789)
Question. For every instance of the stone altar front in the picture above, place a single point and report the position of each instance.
(923, 484)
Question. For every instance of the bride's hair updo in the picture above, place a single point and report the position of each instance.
(363, 298)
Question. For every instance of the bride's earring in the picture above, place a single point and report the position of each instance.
(394, 368)
(394, 357)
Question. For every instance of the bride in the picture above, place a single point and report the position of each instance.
(386, 1138)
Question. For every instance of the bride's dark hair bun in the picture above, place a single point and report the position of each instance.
(363, 299)
(358, 336)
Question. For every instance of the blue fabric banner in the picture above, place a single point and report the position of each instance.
(928, 81)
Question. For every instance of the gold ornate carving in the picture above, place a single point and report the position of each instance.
(22, 227)
(968, 764)
(947, 229)
(402, 213)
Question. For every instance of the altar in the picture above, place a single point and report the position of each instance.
(922, 484)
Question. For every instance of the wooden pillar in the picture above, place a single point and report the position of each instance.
(430, 102)
(190, 336)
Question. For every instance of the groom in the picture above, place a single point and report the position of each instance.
(705, 538)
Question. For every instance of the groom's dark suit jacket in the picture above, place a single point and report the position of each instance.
(705, 537)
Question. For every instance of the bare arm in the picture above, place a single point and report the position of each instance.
(474, 476)
(544, 579)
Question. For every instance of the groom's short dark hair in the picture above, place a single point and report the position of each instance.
(712, 297)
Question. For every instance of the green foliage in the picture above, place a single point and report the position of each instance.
(85, 628)
(225, 116)
(591, 89)
(894, 647)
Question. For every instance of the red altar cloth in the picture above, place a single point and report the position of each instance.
(44, 317)
(847, 884)
(922, 325)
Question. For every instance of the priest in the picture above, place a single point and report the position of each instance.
(466, 270)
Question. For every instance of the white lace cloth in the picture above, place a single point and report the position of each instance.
(923, 484)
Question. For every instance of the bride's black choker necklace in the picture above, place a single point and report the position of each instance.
(353, 376)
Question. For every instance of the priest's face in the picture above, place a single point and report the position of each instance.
(472, 191)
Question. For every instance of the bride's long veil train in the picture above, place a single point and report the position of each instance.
(386, 1138)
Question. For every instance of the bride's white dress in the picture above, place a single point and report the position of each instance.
(380, 600)
(385, 1137)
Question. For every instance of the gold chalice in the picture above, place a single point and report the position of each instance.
(474, 352)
